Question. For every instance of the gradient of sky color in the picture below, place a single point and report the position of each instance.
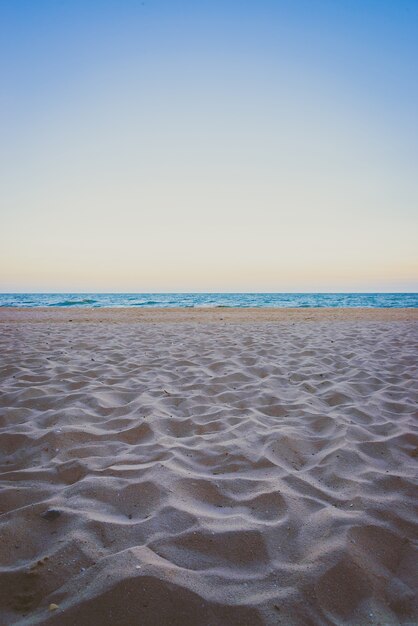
(169, 145)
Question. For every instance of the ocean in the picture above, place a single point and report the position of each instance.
(397, 300)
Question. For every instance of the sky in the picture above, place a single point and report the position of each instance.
(177, 145)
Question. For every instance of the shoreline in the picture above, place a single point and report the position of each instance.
(133, 315)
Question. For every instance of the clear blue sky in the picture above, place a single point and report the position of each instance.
(244, 146)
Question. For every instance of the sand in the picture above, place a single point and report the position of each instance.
(208, 467)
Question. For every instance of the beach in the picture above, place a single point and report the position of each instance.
(213, 466)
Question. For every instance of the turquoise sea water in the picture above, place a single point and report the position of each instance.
(398, 300)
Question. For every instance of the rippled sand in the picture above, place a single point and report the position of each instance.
(192, 470)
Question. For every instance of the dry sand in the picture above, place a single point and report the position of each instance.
(176, 468)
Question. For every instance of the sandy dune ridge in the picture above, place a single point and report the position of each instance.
(244, 471)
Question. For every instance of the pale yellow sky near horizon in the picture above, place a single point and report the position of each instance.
(216, 219)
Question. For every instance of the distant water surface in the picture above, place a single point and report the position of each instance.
(397, 300)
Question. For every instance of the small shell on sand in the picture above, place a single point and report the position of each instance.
(53, 607)
(51, 514)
